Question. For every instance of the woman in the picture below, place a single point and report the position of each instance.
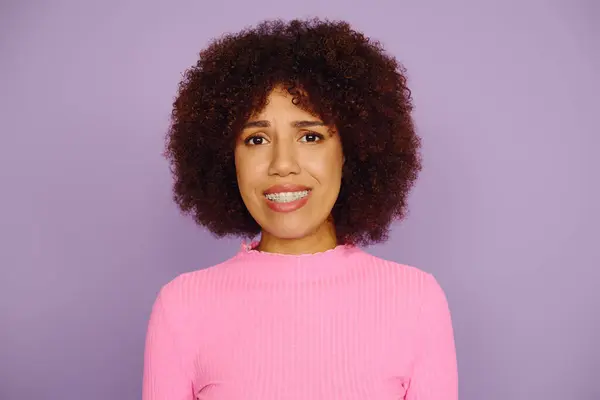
(300, 132)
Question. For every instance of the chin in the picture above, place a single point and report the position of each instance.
(289, 233)
(296, 228)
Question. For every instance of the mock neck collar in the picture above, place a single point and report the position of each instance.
(266, 265)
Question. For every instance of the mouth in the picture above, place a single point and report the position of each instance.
(287, 198)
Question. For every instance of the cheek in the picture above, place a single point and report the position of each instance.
(248, 171)
(241, 171)
(330, 167)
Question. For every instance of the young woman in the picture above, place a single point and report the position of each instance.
(300, 132)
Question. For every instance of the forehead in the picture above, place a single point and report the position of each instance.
(282, 104)
(280, 101)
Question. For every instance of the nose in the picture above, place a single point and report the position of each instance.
(283, 160)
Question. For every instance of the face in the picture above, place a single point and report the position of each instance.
(289, 168)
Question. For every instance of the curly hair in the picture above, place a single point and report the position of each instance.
(335, 73)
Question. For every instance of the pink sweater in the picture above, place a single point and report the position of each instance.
(337, 325)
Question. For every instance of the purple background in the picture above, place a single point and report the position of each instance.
(505, 213)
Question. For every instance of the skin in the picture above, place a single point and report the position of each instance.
(284, 144)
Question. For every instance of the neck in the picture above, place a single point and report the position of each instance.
(322, 240)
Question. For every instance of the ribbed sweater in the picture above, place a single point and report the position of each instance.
(336, 325)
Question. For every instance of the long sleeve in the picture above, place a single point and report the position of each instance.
(165, 377)
(340, 324)
(435, 375)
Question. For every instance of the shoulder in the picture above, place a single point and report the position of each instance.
(396, 270)
(187, 291)
(403, 277)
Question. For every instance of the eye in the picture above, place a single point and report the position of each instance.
(255, 140)
(311, 137)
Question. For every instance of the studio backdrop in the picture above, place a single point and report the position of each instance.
(504, 214)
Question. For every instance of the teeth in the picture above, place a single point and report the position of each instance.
(286, 197)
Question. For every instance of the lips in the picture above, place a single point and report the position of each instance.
(286, 188)
(278, 201)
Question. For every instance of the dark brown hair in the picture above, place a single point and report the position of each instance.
(334, 72)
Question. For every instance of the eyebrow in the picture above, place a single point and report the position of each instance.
(295, 124)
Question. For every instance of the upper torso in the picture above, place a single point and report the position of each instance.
(348, 333)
